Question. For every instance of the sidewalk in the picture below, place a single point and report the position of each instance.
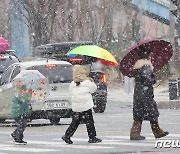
(161, 95)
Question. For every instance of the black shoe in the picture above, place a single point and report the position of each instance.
(13, 137)
(67, 139)
(137, 137)
(163, 135)
(94, 140)
(20, 142)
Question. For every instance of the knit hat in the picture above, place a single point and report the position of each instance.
(80, 73)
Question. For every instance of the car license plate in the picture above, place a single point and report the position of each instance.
(56, 105)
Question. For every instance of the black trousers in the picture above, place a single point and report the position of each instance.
(82, 117)
(21, 123)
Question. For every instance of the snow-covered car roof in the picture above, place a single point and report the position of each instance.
(27, 64)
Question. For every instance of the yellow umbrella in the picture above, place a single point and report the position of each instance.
(94, 51)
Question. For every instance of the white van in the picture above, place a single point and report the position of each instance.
(56, 105)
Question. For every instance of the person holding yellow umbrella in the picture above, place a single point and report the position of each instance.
(96, 59)
(81, 89)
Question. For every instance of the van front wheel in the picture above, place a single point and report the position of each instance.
(2, 120)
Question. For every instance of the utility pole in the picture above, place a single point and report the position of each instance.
(172, 38)
(172, 25)
(176, 12)
(178, 19)
(141, 19)
(178, 29)
(128, 82)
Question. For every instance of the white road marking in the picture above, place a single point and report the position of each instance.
(119, 140)
(129, 143)
(4, 145)
(148, 137)
(75, 145)
(18, 148)
(56, 144)
(126, 137)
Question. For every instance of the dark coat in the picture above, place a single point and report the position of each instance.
(144, 105)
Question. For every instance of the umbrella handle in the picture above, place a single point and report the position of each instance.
(90, 67)
(156, 85)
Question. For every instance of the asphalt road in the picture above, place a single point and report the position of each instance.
(112, 127)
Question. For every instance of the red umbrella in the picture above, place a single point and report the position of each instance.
(161, 52)
(108, 63)
(4, 44)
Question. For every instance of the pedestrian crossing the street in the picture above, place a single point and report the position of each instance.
(56, 145)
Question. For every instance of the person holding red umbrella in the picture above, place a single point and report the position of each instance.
(144, 105)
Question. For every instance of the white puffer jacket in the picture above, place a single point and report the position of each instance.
(81, 95)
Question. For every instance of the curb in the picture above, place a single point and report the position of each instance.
(175, 104)
(161, 98)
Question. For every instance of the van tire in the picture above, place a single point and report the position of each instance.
(54, 121)
(2, 120)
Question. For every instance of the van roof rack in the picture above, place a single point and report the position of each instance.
(58, 50)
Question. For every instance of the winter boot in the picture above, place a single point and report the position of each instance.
(157, 131)
(94, 140)
(67, 139)
(20, 142)
(136, 130)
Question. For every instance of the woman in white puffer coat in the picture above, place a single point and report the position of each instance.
(81, 89)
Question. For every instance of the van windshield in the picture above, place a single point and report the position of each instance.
(55, 73)
(5, 62)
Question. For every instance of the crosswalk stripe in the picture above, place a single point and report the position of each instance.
(126, 137)
(148, 136)
(75, 145)
(4, 145)
(56, 144)
(128, 143)
(120, 142)
(174, 135)
(131, 144)
(22, 149)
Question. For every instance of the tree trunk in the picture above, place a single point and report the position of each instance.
(106, 37)
(70, 20)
